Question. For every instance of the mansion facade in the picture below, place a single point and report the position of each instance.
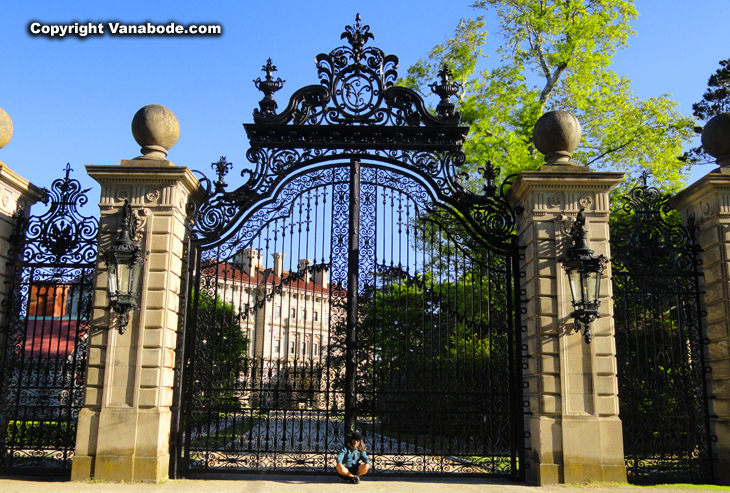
(285, 315)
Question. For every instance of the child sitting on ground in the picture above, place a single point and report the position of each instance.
(353, 461)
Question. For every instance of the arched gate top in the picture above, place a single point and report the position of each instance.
(356, 112)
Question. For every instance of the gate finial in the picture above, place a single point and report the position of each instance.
(445, 90)
(644, 177)
(156, 129)
(268, 86)
(221, 167)
(357, 36)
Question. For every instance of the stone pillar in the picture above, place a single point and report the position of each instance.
(124, 426)
(16, 193)
(575, 432)
(707, 203)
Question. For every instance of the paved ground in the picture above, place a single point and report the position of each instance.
(316, 484)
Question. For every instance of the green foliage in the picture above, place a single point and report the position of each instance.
(225, 345)
(429, 334)
(715, 101)
(35, 434)
(556, 55)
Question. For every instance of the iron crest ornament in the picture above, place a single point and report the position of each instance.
(647, 235)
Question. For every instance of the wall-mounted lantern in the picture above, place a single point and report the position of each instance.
(584, 276)
(124, 261)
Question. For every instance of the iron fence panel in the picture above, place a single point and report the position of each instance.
(659, 342)
(44, 343)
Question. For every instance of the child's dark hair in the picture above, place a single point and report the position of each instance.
(361, 444)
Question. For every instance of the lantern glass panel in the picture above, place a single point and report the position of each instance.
(594, 284)
(112, 279)
(134, 276)
(123, 278)
(574, 281)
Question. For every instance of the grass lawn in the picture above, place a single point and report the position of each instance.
(221, 439)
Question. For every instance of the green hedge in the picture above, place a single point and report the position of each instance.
(35, 434)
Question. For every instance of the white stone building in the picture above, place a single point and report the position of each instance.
(284, 314)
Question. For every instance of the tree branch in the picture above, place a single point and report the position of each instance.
(551, 84)
(631, 141)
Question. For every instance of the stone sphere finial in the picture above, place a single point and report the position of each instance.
(556, 135)
(156, 129)
(6, 128)
(716, 138)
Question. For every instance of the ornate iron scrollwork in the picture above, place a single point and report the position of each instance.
(357, 112)
(647, 237)
(358, 175)
(62, 235)
(660, 348)
(358, 83)
(44, 343)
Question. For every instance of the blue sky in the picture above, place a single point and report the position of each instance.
(73, 99)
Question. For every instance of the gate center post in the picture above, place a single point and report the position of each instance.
(353, 277)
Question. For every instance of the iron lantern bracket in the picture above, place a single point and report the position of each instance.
(581, 259)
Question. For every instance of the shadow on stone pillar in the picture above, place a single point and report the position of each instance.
(124, 426)
(575, 432)
(707, 203)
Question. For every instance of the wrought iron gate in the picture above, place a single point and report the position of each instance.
(353, 282)
(659, 342)
(44, 345)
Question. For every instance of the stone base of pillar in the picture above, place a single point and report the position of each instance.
(120, 454)
(87, 428)
(596, 449)
(132, 469)
(576, 449)
(546, 439)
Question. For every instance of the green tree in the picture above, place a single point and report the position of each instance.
(430, 334)
(556, 55)
(715, 101)
(223, 344)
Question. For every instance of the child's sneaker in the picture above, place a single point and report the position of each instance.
(356, 480)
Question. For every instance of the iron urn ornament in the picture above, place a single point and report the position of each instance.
(268, 86)
(446, 89)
